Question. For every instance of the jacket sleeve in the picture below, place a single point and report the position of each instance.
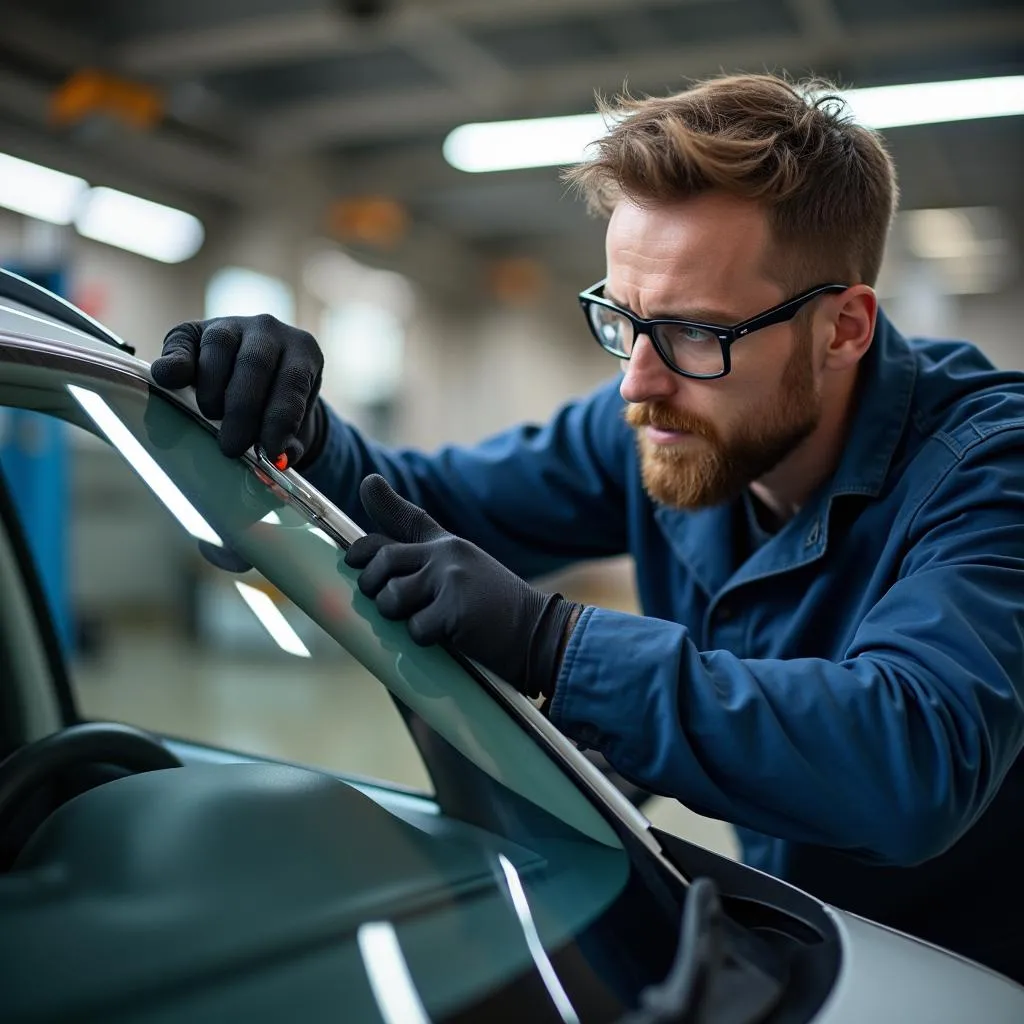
(534, 497)
(891, 753)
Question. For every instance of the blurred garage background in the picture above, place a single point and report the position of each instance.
(304, 150)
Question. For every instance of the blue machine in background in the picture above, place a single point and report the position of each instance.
(33, 454)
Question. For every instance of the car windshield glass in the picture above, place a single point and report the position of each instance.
(570, 911)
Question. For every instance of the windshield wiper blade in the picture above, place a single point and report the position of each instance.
(716, 976)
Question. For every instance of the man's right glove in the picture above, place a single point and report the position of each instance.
(258, 376)
(450, 591)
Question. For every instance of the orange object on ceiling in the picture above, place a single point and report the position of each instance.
(374, 220)
(89, 92)
(517, 281)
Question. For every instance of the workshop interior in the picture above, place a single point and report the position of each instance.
(389, 175)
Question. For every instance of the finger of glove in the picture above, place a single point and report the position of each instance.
(217, 350)
(294, 388)
(176, 366)
(428, 626)
(248, 391)
(362, 549)
(394, 515)
(392, 561)
(403, 596)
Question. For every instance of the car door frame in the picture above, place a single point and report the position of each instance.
(15, 729)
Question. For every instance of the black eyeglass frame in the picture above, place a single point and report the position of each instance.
(727, 336)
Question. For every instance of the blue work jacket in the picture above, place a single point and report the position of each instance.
(848, 693)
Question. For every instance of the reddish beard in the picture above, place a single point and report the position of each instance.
(707, 469)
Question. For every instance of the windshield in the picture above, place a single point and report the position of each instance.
(577, 912)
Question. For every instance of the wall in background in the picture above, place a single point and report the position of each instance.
(467, 373)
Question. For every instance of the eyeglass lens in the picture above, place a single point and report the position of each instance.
(691, 349)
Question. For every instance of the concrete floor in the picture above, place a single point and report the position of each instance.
(323, 712)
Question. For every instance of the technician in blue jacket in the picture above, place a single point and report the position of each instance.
(827, 519)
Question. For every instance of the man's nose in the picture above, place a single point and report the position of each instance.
(646, 375)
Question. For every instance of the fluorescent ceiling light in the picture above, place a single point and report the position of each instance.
(393, 988)
(272, 620)
(556, 141)
(144, 464)
(39, 192)
(138, 225)
(510, 145)
(104, 214)
(894, 106)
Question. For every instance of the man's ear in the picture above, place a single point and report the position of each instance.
(852, 315)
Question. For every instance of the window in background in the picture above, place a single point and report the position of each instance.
(935, 256)
(362, 333)
(237, 291)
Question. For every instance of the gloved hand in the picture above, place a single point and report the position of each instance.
(258, 376)
(452, 592)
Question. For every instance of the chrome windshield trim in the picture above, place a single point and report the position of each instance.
(308, 498)
(291, 487)
(114, 359)
(297, 491)
(587, 776)
(39, 299)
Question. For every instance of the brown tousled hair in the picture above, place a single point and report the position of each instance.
(828, 185)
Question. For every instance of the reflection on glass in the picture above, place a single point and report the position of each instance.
(272, 620)
(396, 996)
(537, 951)
(489, 785)
(143, 463)
(317, 532)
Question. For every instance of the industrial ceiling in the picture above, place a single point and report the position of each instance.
(327, 100)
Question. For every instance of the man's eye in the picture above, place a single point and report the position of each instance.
(695, 334)
(680, 334)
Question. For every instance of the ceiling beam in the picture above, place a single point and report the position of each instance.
(259, 41)
(47, 41)
(453, 56)
(241, 44)
(817, 19)
(149, 156)
(333, 119)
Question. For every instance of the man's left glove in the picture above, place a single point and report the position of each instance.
(451, 592)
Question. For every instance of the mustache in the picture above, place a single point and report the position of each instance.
(663, 417)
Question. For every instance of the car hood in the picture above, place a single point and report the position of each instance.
(887, 976)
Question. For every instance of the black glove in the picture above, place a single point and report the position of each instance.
(454, 593)
(258, 376)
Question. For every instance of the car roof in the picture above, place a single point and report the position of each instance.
(29, 310)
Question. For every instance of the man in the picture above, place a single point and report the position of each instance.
(827, 520)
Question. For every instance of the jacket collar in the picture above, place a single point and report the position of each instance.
(886, 390)
(704, 539)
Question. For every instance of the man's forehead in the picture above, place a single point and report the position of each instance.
(688, 258)
(710, 213)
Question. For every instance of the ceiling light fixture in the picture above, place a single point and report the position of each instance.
(897, 106)
(558, 141)
(39, 192)
(138, 225)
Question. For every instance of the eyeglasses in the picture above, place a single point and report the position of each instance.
(686, 347)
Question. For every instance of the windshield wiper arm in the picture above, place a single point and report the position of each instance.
(713, 978)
